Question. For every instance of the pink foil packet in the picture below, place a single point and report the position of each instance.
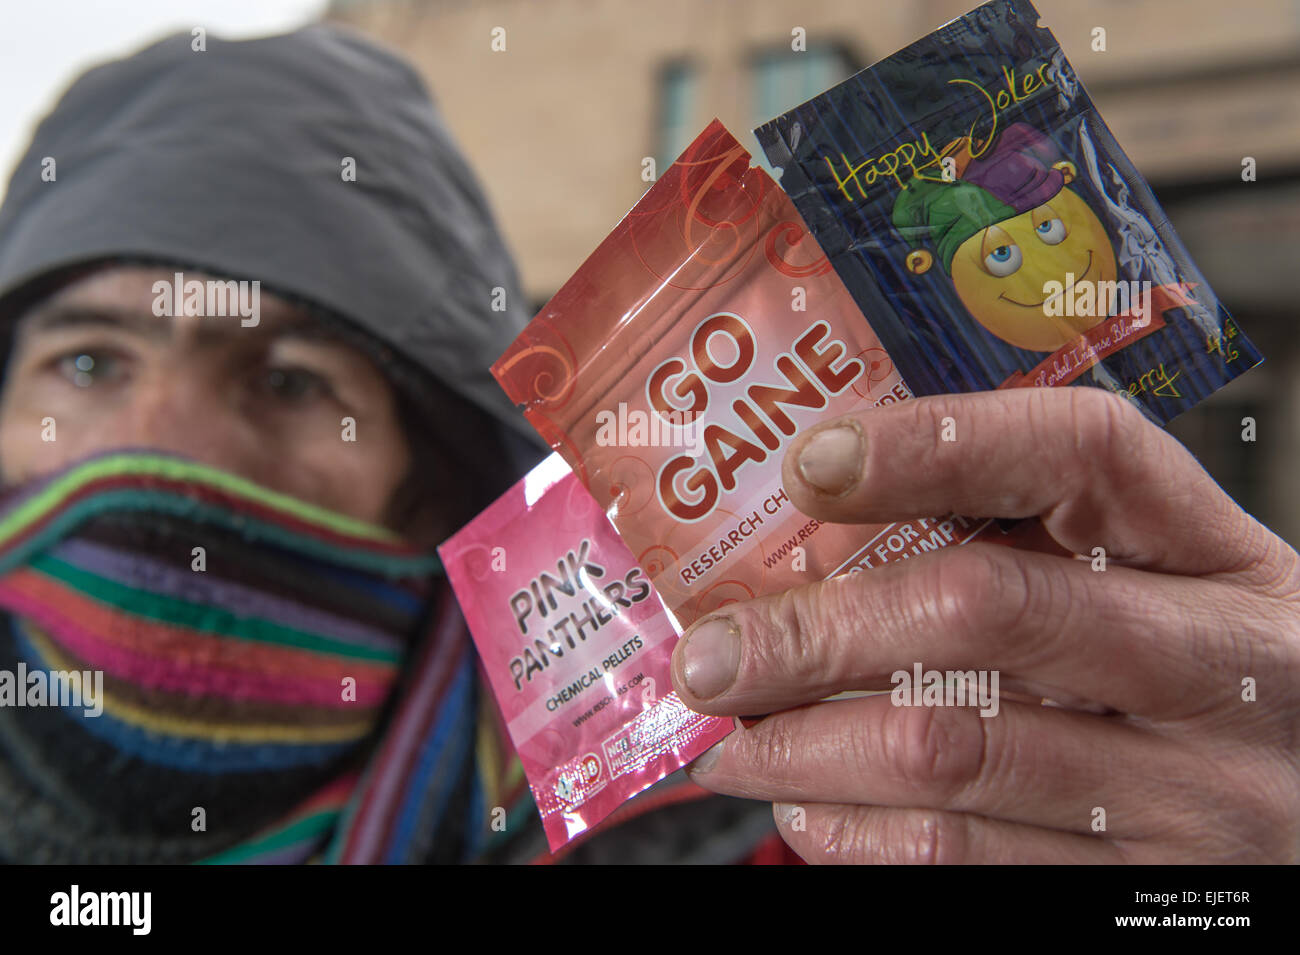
(576, 644)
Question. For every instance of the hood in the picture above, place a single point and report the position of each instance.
(230, 161)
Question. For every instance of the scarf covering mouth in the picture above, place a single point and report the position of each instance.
(251, 647)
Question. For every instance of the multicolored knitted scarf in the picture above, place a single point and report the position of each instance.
(279, 683)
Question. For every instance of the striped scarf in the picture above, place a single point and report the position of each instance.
(280, 683)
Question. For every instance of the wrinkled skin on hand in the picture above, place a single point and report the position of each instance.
(1174, 672)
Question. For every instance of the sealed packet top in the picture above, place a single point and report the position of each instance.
(985, 219)
(674, 368)
(576, 646)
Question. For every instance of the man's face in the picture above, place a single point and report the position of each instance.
(266, 401)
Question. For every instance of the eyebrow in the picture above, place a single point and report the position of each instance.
(70, 315)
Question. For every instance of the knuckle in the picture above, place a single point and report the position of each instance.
(776, 643)
(1263, 561)
(769, 748)
(1106, 431)
(1273, 571)
(940, 751)
(975, 589)
(806, 633)
(954, 588)
(1105, 423)
(791, 645)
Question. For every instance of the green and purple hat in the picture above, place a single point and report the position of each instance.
(1015, 176)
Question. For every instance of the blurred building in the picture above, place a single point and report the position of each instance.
(558, 126)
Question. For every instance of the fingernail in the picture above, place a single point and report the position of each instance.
(784, 812)
(831, 461)
(707, 759)
(711, 657)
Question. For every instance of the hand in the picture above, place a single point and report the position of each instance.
(1155, 654)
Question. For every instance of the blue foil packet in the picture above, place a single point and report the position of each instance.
(992, 230)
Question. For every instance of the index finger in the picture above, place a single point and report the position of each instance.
(1085, 461)
(1139, 643)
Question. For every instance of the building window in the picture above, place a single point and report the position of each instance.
(784, 78)
(678, 93)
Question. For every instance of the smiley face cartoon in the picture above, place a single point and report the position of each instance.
(1004, 229)
(1000, 273)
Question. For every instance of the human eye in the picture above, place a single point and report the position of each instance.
(91, 367)
(292, 384)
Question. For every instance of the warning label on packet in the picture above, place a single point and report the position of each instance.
(652, 733)
(664, 724)
(906, 539)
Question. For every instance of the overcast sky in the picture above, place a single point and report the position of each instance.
(45, 44)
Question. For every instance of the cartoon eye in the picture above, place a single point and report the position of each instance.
(1052, 231)
(1003, 260)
